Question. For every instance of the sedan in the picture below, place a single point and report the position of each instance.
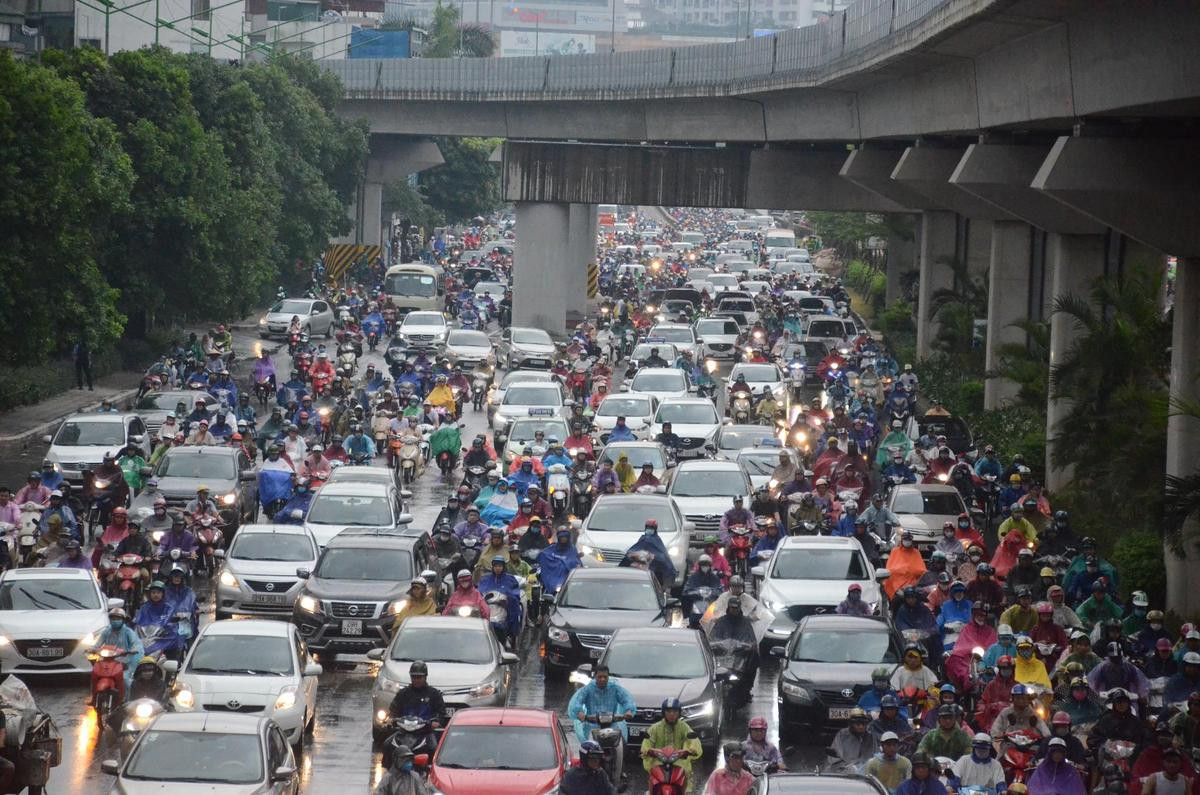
(465, 661)
(424, 330)
(732, 439)
(759, 462)
(316, 317)
(49, 618)
(638, 411)
(467, 348)
(218, 753)
(661, 383)
(496, 394)
(924, 509)
(257, 666)
(760, 377)
(693, 420)
(718, 337)
(526, 347)
(258, 577)
(617, 521)
(337, 506)
(154, 407)
(500, 750)
(531, 400)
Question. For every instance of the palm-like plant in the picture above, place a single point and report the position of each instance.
(1027, 364)
(956, 309)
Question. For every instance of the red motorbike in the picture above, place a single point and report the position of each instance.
(1020, 754)
(127, 584)
(108, 683)
(208, 540)
(577, 384)
(668, 778)
(740, 545)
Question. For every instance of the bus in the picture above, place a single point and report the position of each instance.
(606, 214)
(779, 238)
(415, 286)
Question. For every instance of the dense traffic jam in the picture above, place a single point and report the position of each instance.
(721, 471)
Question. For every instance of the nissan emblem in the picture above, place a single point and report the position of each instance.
(270, 586)
(352, 610)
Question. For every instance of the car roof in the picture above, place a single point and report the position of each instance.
(632, 443)
(505, 716)
(280, 529)
(625, 396)
(201, 450)
(838, 621)
(209, 721)
(769, 449)
(814, 542)
(423, 312)
(747, 428)
(707, 465)
(48, 573)
(355, 488)
(627, 498)
(373, 538)
(444, 622)
(658, 370)
(824, 783)
(925, 488)
(249, 626)
(551, 384)
(669, 327)
(356, 474)
(109, 416)
(657, 634)
(685, 401)
(609, 573)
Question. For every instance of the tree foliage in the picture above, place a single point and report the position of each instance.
(467, 184)
(448, 37)
(846, 231)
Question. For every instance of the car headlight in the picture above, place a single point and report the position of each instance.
(286, 698)
(143, 710)
(558, 635)
(88, 640)
(701, 710)
(398, 605)
(484, 690)
(797, 692)
(228, 580)
(309, 604)
(262, 321)
(387, 685)
(185, 699)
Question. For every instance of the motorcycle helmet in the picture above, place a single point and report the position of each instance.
(401, 753)
(758, 722)
(1044, 609)
(858, 714)
(418, 668)
(734, 749)
(1005, 661)
(922, 758)
(1019, 690)
(671, 703)
(117, 612)
(1061, 719)
(590, 748)
(881, 673)
(889, 702)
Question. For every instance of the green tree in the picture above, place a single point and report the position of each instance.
(846, 231)
(956, 309)
(467, 184)
(447, 37)
(63, 177)
(409, 202)
(1027, 364)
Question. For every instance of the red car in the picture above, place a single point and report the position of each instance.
(500, 751)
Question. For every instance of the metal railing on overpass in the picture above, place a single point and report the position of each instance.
(866, 32)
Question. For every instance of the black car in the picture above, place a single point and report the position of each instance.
(827, 666)
(594, 603)
(955, 429)
(817, 784)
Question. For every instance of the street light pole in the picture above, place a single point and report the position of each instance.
(612, 42)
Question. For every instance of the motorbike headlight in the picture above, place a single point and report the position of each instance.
(100, 483)
(229, 499)
(308, 604)
(381, 716)
(286, 698)
(184, 698)
(157, 536)
(797, 692)
(772, 483)
(484, 690)
(143, 710)
(558, 635)
(701, 710)
(398, 605)
(228, 580)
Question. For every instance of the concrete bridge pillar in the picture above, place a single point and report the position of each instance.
(939, 238)
(1074, 261)
(1183, 433)
(539, 284)
(582, 249)
(901, 258)
(1008, 301)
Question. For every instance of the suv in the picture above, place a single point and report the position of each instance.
(227, 471)
(349, 601)
(704, 491)
(82, 440)
(423, 330)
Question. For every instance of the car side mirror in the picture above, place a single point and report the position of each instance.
(689, 527)
(882, 574)
(778, 651)
(303, 574)
(721, 673)
(296, 514)
(758, 571)
(114, 604)
(313, 669)
(146, 471)
(248, 477)
(404, 518)
(671, 604)
(170, 667)
(421, 760)
(47, 438)
(375, 654)
(219, 554)
(284, 772)
(110, 766)
(508, 658)
(405, 494)
(137, 438)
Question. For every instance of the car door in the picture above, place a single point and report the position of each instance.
(505, 345)
(248, 488)
(308, 683)
(280, 755)
(324, 318)
(137, 430)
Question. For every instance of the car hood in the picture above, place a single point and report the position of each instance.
(494, 782)
(443, 675)
(355, 590)
(608, 422)
(649, 693)
(90, 453)
(172, 486)
(720, 339)
(661, 396)
(607, 539)
(533, 347)
(689, 431)
(814, 592)
(125, 787)
(712, 506)
(603, 622)
(268, 568)
(925, 523)
(283, 317)
(51, 623)
(469, 351)
(835, 674)
(246, 689)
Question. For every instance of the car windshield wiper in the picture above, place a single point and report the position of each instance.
(69, 600)
(452, 765)
(39, 604)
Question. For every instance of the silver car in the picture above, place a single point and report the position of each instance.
(424, 330)
(219, 753)
(468, 348)
(83, 439)
(316, 317)
(155, 407)
(465, 661)
(526, 347)
(258, 577)
(496, 394)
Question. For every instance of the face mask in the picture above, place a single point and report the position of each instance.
(964, 525)
(116, 624)
(1025, 653)
(1155, 625)
(406, 767)
(907, 542)
(854, 596)
(948, 535)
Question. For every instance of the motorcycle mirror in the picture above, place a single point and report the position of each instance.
(375, 654)
(421, 760)
(778, 651)
(110, 767)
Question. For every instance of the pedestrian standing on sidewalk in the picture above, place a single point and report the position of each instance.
(83, 362)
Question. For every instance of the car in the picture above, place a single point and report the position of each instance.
(955, 429)
(522, 347)
(465, 660)
(718, 337)
(923, 508)
(490, 288)
(822, 328)
(639, 453)
(424, 330)
(638, 411)
(704, 491)
(617, 521)
(694, 420)
(809, 575)
(218, 753)
(254, 666)
(155, 407)
(762, 376)
(49, 619)
(722, 282)
(826, 667)
(817, 784)
(743, 306)
(500, 750)
(732, 439)
(509, 441)
(661, 383)
(365, 474)
(594, 603)
(668, 352)
(496, 394)
(656, 663)
(808, 354)
(754, 286)
(467, 348)
(531, 399)
(680, 335)
(337, 506)
(759, 462)
(348, 601)
(316, 317)
(82, 440)
(258, 572)
(227, 472)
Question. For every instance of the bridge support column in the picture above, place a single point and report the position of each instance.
(1075, 261)
(539, 283)
(939, 235)
(582, 250)
(1008, 302)
(901, 258)
(372, 214)
(1183, 433)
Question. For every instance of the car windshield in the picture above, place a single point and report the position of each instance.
(79, 433)
(738, 305)
(655, 660)
(532, 396)
(517, 376)
(205, 466)
(637, 456)
(826, 328)
(665, 351)
(818, 564)
(805, 350)
(300, 308)
(202, 757)
(684, 335)
(360, 563)
(469, 339)
(442, 644)
(344, 509)
(620, 594)
(688, 414)
(531, 337)
(491, 288)
(758, 373)
(844, 646)
(524, 430)
(938, 503)
(630, 517)
(236, 655)
(418, 319)
(286, 547)
(497, 748)
(720, 327)
(164, 401)
(732, 438)
(49, 594)
(709, 483)
(723, 278)
(617, 406)
(758, 463)
(658, 382)
(418, 284)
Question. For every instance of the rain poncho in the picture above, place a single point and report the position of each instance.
(906, 567)
(898, 439)
(501, 508)
(661, 565)
(625, 473)
(1056, 778)
(1032, 671)
(555, 564)
(274, 484)
(1006, 554)
(973, 636)
(592, 699)
(445, 439)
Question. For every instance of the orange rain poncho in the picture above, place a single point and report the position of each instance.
(906, 567)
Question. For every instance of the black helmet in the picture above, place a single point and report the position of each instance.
(418, 668)
(590, 748)
(401, 753)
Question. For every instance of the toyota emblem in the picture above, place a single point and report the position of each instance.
(711, 516)
(270, 586)
(352, 610)
(848, 693)
(233, 704)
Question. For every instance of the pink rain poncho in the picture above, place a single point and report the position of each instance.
(958, 664)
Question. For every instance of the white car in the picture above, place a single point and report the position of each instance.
(810, 574)
(638, 411)
(759, 462)
(680, 335)
(257, 666)
(722, 282)
(496, 393)
(754, 287)
(82, 440)
(760, 376)
(661, 383)
(704, 491)
(531, 400)
(718, 337)
(337, 506)
(616, 521)
(49, 619)
(316, 317)
(525, 347)
(742, 306)
(258, 576)
(641, 352)
(424, 330)
(694, 420)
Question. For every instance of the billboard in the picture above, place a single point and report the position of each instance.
(371, 43)
(531, 42)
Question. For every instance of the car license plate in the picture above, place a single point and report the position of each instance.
(450, 711)
(541, 412)
(839, 713)
(539, 362)
(352, 627)
(270, 598)
(595, 653)
(44, 652)
(636, 732)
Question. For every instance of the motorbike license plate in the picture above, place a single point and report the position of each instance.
(839, 713)
(44, 652)
(450, 711)
(270, 598)
(353, 627)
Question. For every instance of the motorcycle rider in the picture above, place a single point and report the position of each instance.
(923, 781)
(733, 626)
(498, 579)
(299, 501)
(419, 699)
(418, 603)
(853, 744)
(316, 466)
(672, 731)
(1047, 631)
(178, 537)
(889, 767)
(1118, 722)
(759, 749)
(703, 576)
(74, 559)
(947, 737)
(156, 611)
(1019, 714)
(601, 694)
(120, 635)
(913, 672)
(660, 564)
(471, 526)
(853, 604)
(980, 768)
(466, 595)
(442, 397)
(556, 562)
(733, 779)
(1029, 670)
(737, 515)
(890, 719)
(1021, 616)
(137, 543)
(401, 779)
(589, 776)
(621, 432)
(736, 592)
(1060, 727)
(1098, 607)
(359, 446)
(34, 491)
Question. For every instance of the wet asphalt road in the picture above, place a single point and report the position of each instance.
(340, 757)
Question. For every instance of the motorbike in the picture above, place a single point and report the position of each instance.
(668, 778)
(700, 599)
(415, 732)
(739, 658)
(950, 635)
(558, 486)
(209, 539)
(497, 603)
(127, 584)
(610, 739)
(447, 461)
(1019, 756)
(406, 457)
(479, 388)
(758, 769)
(739, 409)
(347, 359)
(741, 542)
(581, 490)
(263, 392)
(108, 683)
(1119, 753)
(469, 553)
